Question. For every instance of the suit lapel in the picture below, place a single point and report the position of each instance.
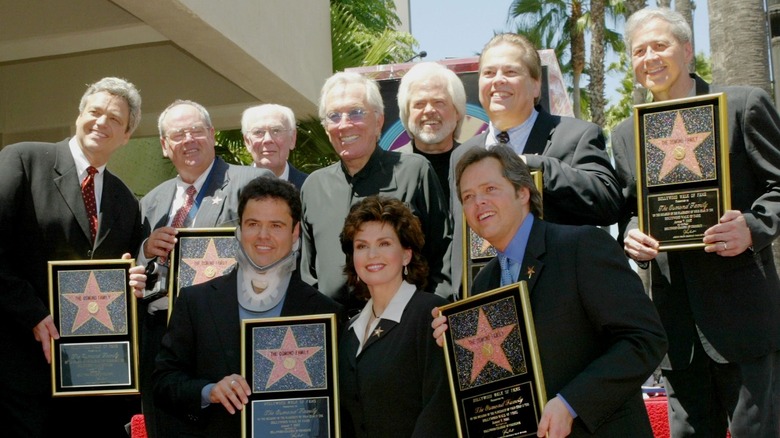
(223, 302)
(541, 133)
(109, 210)
(382, 329)
(66, 179)
(532, 266)
(213, 201)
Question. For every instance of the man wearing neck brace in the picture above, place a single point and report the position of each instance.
(197, 376)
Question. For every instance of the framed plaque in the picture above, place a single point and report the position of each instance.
(95, 312)
(683, 183)
(478, 251)
(199, 255)
(290, 364)
(493, 364)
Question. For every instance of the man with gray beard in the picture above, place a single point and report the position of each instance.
(432, 107)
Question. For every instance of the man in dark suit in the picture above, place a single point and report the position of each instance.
(43, 217)
(580, 185)
(187, 139)
(599, 336)
(719, 305)
(198, 374)
(269, 135)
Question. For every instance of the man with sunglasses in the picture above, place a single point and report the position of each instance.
(269, 135)
(352, 113)
(203, 194)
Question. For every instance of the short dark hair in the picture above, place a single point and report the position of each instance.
(514, 169)
(264, 187)
(389, 211)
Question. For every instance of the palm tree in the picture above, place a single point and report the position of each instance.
(559, 24)
(738, 41)
(685, 8)
(596, 71)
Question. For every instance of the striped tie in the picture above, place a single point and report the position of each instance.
(506, 274)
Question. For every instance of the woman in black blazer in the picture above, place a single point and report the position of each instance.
(392, 377)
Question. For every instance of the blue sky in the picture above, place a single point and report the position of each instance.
(459, 28)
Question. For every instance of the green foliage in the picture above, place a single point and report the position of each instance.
(313, 149)
(230, 147)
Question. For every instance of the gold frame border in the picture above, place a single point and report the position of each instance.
(521, 292)
(328, 319)
(132, 309)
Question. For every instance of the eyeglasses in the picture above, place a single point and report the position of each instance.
(356, 115)
(196, 132)
(275, 132)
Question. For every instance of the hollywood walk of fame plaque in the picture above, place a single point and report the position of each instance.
(478, 251)
(683, 183)
(94, 310)
(290, 365)
(493, 364)
(199, 255)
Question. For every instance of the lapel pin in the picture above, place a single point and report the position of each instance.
(530, 271)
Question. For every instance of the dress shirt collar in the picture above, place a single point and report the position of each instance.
(285, 175)
(518, 135)
(393, 311)
(181, 186)
(515, 251)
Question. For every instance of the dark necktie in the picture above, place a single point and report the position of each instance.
(181, 215)
(503, 137)
(506, 274)
(88, 192)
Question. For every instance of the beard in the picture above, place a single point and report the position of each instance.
(433, 137)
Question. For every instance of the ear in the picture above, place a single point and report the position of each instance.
(164, 149)
(296, 231)
(688, 52)
(407, 256)
(294, 137)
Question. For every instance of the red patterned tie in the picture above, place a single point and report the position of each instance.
(88, 192)
(184, 210)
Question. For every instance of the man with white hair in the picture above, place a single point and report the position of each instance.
(432, 107)
(269, 135)
(352, 112)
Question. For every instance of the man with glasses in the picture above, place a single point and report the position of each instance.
(352, 113)
(204, 194)
(269, 135)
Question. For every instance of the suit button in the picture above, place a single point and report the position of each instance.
(89, 254)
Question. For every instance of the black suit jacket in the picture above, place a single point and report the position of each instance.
(580, 184)
(203, 344)
(599, 336)
(43, 218)
(735, 301)
(296, 176)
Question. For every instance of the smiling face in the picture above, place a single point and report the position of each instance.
(188, 141)
(101, 128)
(493, 208)
(432, 116)
(270, 140)
(267, 231)
(506, 89)
(378, 256)
(354, 141)
(660, 61)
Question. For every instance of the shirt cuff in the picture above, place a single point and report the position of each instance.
(205, 400)
(568, 406)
